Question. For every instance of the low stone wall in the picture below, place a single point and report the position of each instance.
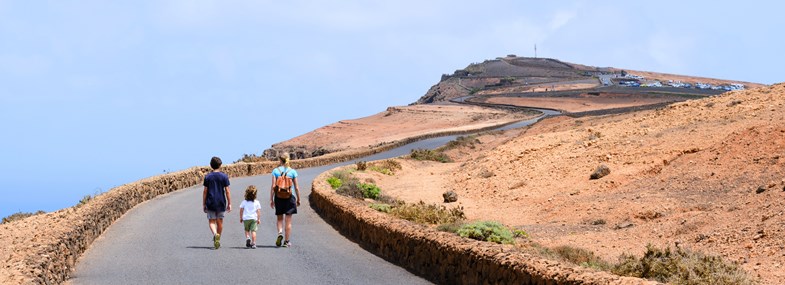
(441, 257)
(43, 249)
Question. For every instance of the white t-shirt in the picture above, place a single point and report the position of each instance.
(249, 209)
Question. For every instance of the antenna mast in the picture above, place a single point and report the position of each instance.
(535, 50)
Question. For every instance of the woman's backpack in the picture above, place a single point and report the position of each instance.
(283, 185)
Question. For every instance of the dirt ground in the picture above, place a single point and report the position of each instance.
(397, 123)
(707, 174)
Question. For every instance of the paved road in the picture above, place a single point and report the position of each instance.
(167, 241)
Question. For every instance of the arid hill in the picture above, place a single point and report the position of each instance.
(705, 174)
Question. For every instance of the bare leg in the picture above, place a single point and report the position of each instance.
(220, 225)
(279, 223)
(213, 226)
(288, 226)
(248, 235)
(253, 237)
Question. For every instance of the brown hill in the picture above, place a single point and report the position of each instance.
(524, 74)
(706, 174)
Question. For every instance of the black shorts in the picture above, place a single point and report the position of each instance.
(285, 206)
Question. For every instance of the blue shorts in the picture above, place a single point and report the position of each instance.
(213, 215)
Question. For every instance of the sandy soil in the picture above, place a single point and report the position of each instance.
(582, 103)
(397, 123)
(708, 174)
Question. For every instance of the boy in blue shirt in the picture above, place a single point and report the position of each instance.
(216, 199)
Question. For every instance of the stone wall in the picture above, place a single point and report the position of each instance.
(442, 257)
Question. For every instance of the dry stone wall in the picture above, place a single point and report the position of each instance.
(442, 257)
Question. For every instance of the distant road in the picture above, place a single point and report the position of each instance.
(167, 241)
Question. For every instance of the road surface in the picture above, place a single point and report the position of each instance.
(167, 241)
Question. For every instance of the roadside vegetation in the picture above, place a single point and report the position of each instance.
(20, 216)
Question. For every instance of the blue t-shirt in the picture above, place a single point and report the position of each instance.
(216, 182)
(280, 169)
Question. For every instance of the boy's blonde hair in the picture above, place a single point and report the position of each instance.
(250, 193)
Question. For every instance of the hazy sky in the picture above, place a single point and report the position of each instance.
(95, 94)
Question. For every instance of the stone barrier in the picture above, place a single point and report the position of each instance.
(441, 257)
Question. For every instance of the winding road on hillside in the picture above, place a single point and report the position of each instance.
(167, 241)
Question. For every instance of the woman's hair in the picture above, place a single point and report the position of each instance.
(250, 193)
(284, 159)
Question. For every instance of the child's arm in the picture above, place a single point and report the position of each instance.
(241, 214)
(259, 215)
(204, 200)
(228, 199)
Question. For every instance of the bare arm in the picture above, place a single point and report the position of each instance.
(228, 199)
(241, 214)
(272, 193)
(259, 215)
(204, 200)
(296, 190)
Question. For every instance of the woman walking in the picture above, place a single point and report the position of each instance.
(281, 198)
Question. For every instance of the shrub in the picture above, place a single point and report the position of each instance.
(450, 227)
(428, 154)
(487, 231)
(20, 216)
(680, 266)
(520, 234)
(581, 256)
(387, 167)
(335, 182)
(369, 190)
(84, 200)
(381, 207)
(461, 141)
(428, 213)
(351, 190)
(361, 165)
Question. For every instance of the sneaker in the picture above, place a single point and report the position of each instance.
(247, 242)
(287, 244)
(278, 240)
(253, 245)
(217, 241)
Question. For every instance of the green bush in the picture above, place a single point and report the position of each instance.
(335, 182)
(487, 231)
(681, 266)
(384, 208)
(428, 154)
(428, 213)
(20, 216)
(369, 190)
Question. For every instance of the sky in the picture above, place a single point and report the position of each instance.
(96, 94)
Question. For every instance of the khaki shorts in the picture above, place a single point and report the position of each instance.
(249, 225)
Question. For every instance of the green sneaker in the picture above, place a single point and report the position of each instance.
(217, 241)
(279, 239)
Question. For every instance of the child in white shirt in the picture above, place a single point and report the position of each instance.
(250, 215)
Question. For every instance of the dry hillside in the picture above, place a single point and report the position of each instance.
(707, 174)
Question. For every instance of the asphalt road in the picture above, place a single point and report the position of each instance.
(167, 241)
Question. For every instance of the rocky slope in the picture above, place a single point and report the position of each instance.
(705, 174)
